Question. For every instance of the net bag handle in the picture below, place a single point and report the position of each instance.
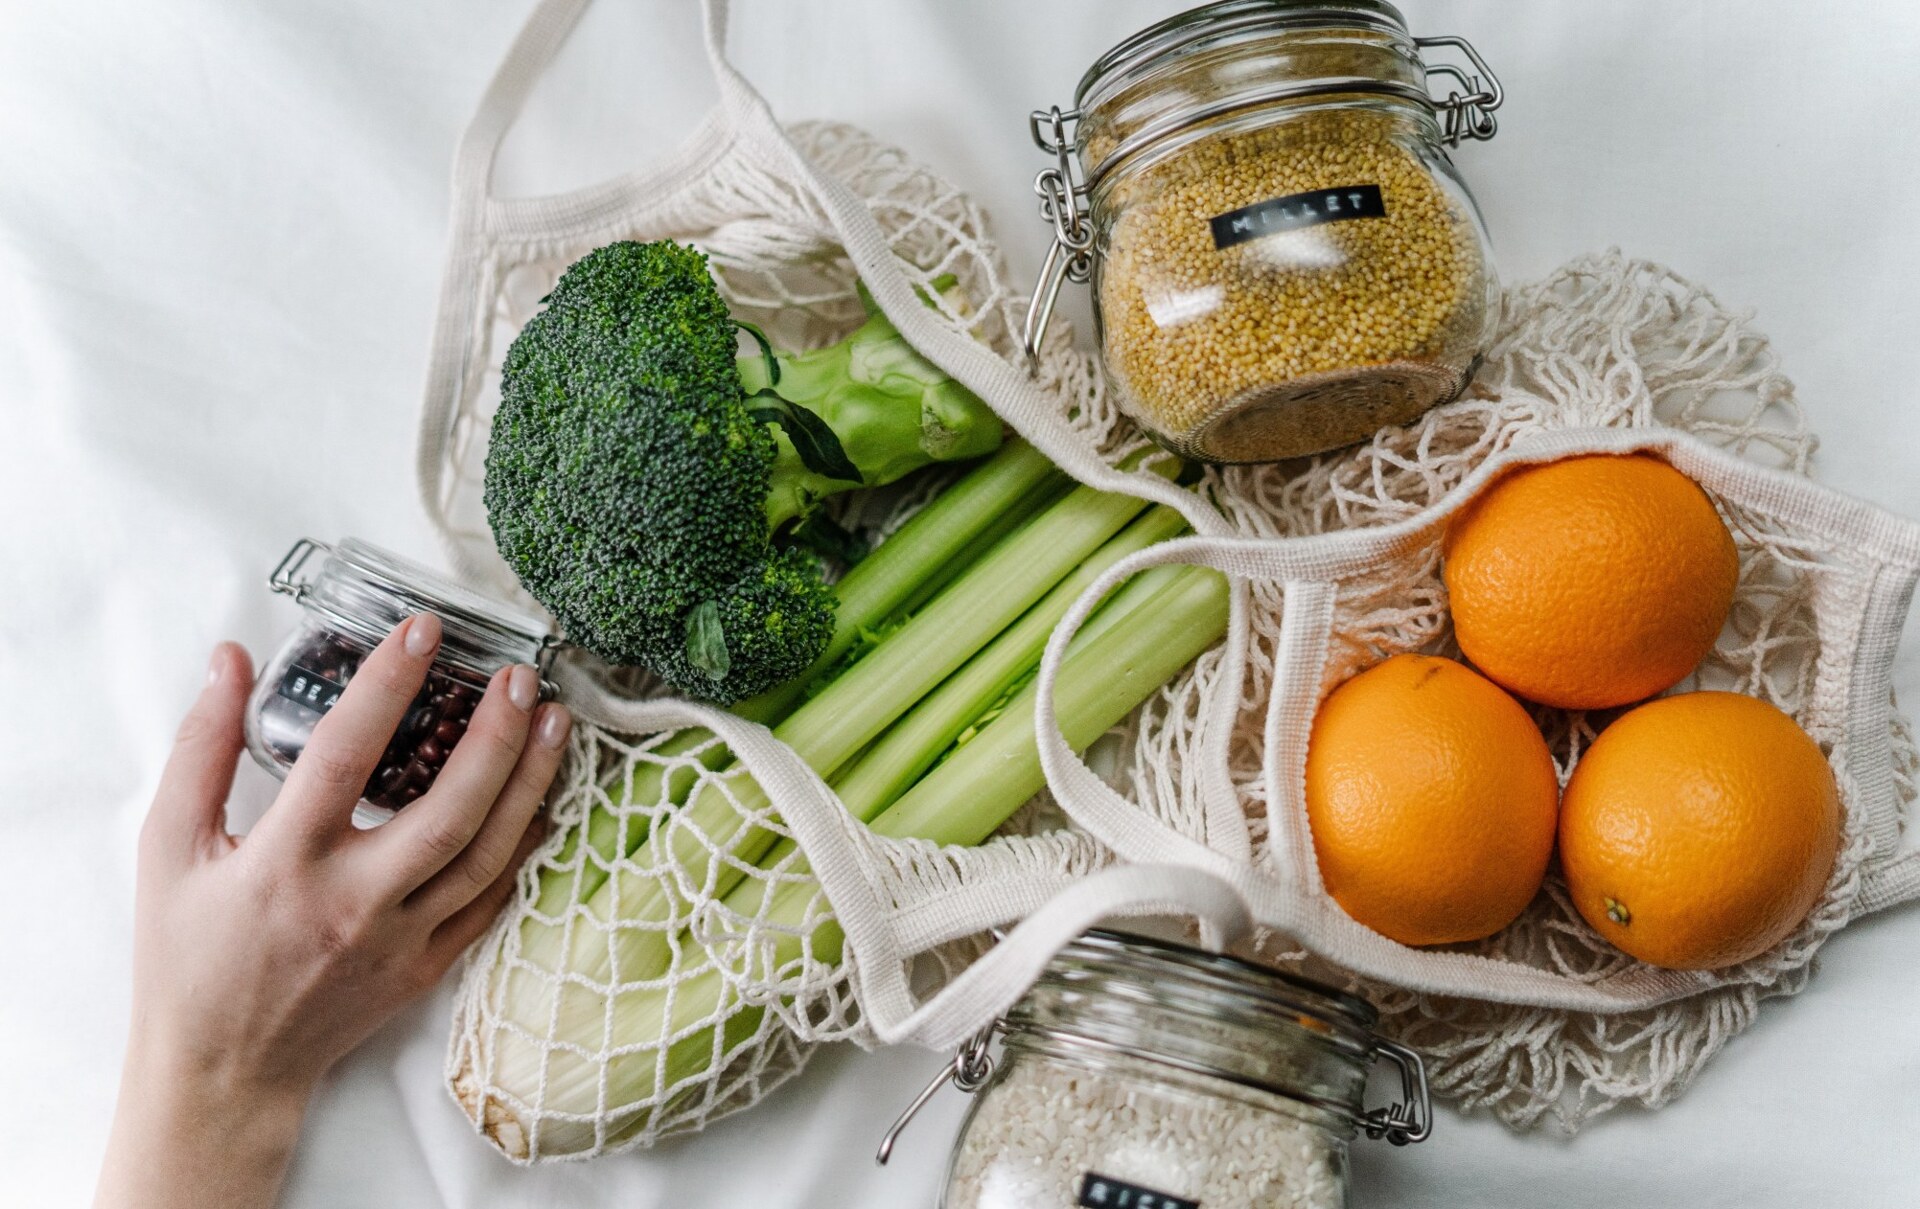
(1284, 894)
(457, 319)
(744, 117)
(460, 321)
(837, 850)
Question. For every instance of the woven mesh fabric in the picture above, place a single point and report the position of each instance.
(648, 982)
(534, 1083)
(1603, 342)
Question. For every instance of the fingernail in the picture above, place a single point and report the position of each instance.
(423, 634)
(217, 666)
(523, 686)
(555, 722)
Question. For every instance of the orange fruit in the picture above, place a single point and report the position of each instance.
(1431, 797)
(1698, 830)
(1589, 582)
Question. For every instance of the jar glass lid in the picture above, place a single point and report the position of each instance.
(365, 591)
(1168, 82)
(1109, 999)
(1214, 25)
(1185, 976)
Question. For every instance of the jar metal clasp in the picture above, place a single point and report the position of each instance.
(1064, 203)
(969, 1071)
(1407, 1120)
(1410, 1118)
(1468, 115)
(286, 577)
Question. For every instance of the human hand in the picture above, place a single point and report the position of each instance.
(259, 962)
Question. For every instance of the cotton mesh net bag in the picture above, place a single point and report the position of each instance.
(1607, 342)
(704, 910)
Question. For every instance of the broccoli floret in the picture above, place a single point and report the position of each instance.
(643, 475)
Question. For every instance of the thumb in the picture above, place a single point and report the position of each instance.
(188, 811)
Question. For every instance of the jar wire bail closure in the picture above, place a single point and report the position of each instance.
(288, 579)
(353, 594)
(1465, 113)
(969, 1070)
(1165, 974)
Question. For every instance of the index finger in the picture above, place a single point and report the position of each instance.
(331, 774)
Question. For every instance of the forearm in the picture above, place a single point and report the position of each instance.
(186, 1134)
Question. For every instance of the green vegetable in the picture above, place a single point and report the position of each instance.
(641, 474)
(981, 690)
(1136, 643)
(648, 486)
(940, 541)
(827, 731)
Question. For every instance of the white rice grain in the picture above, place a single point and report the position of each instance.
(1045, 1126)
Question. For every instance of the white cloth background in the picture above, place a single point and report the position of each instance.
(220, 239)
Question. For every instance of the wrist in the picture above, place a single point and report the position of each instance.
(213, 1094)
(193, 1130)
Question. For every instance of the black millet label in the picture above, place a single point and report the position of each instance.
(303, 686)
(1297, 210)
(1105, 1192)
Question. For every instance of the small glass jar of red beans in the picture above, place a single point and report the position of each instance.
(354, 593)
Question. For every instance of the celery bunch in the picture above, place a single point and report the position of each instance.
(928, 733)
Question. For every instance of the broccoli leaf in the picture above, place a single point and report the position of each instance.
(707, 640)
(766, 351)
(817, 444)
(821, 534)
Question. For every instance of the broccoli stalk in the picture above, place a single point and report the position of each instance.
(890, 411)
(642, 474)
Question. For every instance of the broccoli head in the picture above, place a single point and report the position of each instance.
(643, 476)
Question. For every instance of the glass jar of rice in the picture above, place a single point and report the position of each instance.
(1283, 257)
(1138, 1074)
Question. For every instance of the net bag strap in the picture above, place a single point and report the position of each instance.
(1031, 412)
(476, 221)
(1283, 896)
(1889, 885)
(457, 321)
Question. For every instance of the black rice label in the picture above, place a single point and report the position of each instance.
(1105, 1192)
(1297, 210)
(303, 686)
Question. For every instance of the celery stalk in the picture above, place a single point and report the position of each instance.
(917, 742)
(910, 747)
(923, 551)
(955, 529)
(968, 797)
(718, 843)
(960, 801)
(863, 701)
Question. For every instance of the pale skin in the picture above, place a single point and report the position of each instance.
(260, 961)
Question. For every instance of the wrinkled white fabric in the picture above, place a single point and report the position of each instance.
(1607, 356)
(220, 228)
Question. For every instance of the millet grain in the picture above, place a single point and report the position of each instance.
(1298, 341)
